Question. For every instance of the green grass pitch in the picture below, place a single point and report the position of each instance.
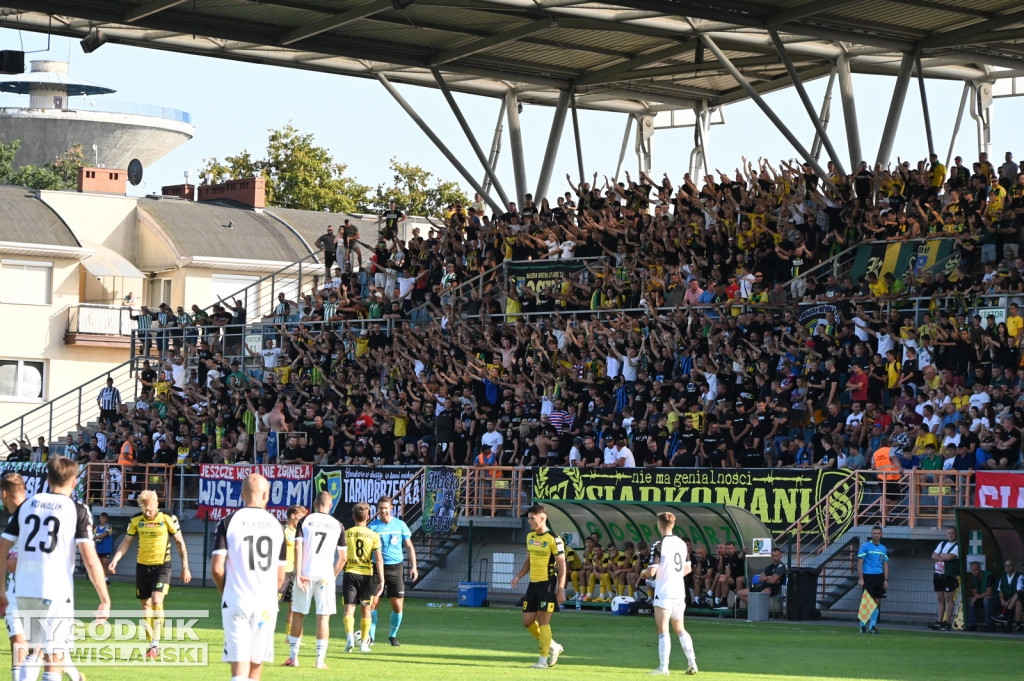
(486, 643)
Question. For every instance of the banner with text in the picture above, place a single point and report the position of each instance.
(348, 486)
(537, 275)
(220, 488)
(999, 490)
(899, 257)
(777, 497)
(441, 500)
(34, 475)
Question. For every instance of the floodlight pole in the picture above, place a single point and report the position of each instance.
(551, 152)
(959, 120)
(452, 158)
(820, 133)
(892, 120)
(446, 91)
(515, 136)
(849, 109)
(772, 116)
(824, 116)
(495, 152)
(576, 134)
(924, 105)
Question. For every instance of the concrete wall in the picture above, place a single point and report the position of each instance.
(99, 219)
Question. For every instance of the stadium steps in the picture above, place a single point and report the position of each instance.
(432, 550)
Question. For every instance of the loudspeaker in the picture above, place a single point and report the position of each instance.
(12, 62)
(93, 41)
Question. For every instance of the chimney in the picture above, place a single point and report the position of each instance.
(182, 191)
(249, 191)
(103, 180)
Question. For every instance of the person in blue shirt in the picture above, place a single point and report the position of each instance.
(103, 535)
(873, 574)
(395, 537)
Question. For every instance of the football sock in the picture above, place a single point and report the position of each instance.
(396, 622)
(51, 676)
(149, 626)
(28, 670)
(687, 643)
(629, 590)
(293, 646)
(158, 624)
(239, 678)
(373, 625)
(606, 584)
(545, 640)
(350, 627)
(664, 650)
(534, 630)
(591, 580)
(321, 650)
(575, 577)
(72, 671)
(288, 625)
(365, 624)
(874, 618)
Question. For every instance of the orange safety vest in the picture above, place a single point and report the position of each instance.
(883, 462)
(127, 455)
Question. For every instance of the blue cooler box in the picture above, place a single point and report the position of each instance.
(472, 594)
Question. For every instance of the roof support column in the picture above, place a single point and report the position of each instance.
(515, 136)
(772, 116)
(981, 112)
(956, 125)
(824, 116)
(849, 110)
(644, 142)
(495, 152)
(469, 133)
(892, 120)
(820, 133)
(437, 141)
(551, 152)
(625, 142)
(924, 106)
(576, 134)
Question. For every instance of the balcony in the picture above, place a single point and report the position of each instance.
(104, 326)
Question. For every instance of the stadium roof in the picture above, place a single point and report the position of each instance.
(630, 55)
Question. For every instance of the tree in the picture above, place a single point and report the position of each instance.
(60, 173)
(299, 174)
(416, 193)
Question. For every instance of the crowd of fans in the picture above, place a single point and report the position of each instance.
(681, 339)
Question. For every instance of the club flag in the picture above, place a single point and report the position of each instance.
(868, 605)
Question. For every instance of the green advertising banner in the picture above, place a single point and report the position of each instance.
(777, 497)
(441, 499)
(899, 257)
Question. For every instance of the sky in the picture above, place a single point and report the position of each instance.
(234, 104)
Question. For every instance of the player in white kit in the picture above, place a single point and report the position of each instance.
(670, 563)
(45, 531)
(12, 494)
(248, 569)
(320, 553)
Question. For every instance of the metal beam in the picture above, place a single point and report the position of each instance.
(808, 106)
(332, 22)
(924, 105)
(622, 151)
(149, 8)
(602, 75)
(772, 116)
(495, 152)
(468, 131)
(956, 125)
(692, 69)
(738, 94)
(576, 135)
(551, 152)
(452, 158)
(823, 117)
(474, 46)
(956, 37)
(802, 11)
(515, 138)
(849, 111)
(892, 120)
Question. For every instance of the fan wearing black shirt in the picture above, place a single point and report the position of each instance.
(713, 448)
(682, 446)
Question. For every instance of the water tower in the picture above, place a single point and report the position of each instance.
(111, 133)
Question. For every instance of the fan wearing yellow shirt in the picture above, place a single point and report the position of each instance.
(153, 573)
(284, 594)
(545, 563)
(1014, 322)
(364, 558)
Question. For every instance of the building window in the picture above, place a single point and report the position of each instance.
(25, 282)
(22, 379)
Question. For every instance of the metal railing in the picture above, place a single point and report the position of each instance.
(260, 297)
(493, 491)
(115, 485)
(109, 106)
(105, 320)
(63, 414)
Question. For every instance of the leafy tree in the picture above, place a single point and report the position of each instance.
(299, 174)
(416, 192)
(60, 173)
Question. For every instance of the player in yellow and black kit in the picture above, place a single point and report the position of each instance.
(284, 594)
(545, 562)
(153, 574)
(363, 560)
(574, 565)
